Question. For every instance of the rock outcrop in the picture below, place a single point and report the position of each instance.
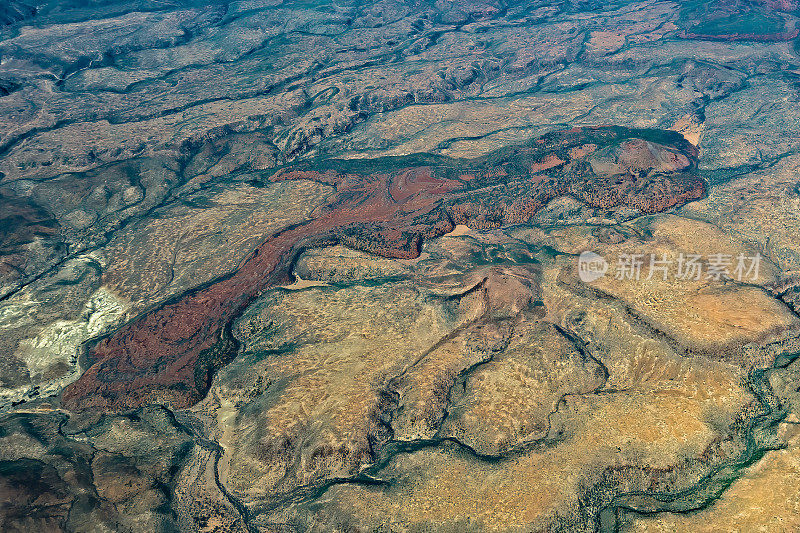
(388, 208)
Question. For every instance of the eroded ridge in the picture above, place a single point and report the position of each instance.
(387, 207)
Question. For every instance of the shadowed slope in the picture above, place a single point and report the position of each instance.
(12, 11)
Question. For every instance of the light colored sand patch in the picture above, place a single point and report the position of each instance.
(690, 127)
(51, 357)
(226, 418)
(459, 231)
(300, 283)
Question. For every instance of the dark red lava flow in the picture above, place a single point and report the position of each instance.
(388, 207)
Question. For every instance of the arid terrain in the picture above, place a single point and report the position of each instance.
(393, 266)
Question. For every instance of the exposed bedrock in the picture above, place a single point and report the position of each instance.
(387, 207)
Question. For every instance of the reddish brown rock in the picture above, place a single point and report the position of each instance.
(387, 207)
